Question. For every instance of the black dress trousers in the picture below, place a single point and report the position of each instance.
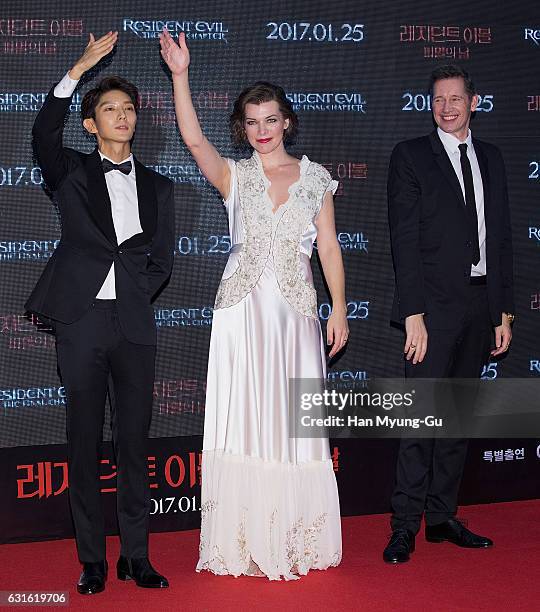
(90, 351)
(429, 470)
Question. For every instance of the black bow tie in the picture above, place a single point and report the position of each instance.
(124, 167)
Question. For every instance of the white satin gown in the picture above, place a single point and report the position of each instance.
(269, 502)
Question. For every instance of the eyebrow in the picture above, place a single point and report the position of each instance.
(113, 102)
(253, 118)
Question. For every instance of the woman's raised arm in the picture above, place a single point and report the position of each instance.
(214, 167)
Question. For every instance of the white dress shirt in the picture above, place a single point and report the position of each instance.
(122, 190)
(451, 146)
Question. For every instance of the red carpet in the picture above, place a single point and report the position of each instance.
(439, 577)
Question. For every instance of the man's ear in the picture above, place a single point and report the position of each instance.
(90, 126)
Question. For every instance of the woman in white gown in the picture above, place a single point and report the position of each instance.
(269, 503)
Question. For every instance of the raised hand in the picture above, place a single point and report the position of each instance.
(95, 51)
(176, 56)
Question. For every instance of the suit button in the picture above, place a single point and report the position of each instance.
(468, 243)
(119, 251)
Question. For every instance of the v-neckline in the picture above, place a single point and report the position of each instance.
(268, 182)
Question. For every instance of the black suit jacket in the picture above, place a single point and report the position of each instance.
(431, 245)
(88, 246)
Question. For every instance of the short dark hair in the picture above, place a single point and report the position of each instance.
(109, 83)
(452, 71)
(260, 92)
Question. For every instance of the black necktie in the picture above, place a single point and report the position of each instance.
(470, 202)
(124, 167)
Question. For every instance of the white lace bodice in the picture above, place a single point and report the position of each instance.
(287, 235)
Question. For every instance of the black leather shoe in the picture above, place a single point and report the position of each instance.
(399, 547)
(141, 571)
(93, 578)
(453, 530)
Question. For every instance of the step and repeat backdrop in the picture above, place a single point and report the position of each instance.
(357, 75)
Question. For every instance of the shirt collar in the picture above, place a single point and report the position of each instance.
(451, 143)
(130, 158)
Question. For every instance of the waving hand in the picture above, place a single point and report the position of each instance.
(176, 56)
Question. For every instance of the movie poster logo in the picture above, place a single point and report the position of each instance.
(184, 316)
(534, 233)
(329, 101)
(533, 103)
(358, 377)
(180, 396)
(27, 250)
(19, 397)
(346, 171)
(24, 332)
(355, 242)
(35, 36)
(23, 101)
(182, 173)
(44, 479)
(160, 104)
(445, 42)
(534, 366)
(194, 30)
(532, 35)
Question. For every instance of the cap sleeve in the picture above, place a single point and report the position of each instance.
(332, 186)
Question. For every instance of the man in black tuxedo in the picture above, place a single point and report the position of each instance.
(114, 256)
(452, 252)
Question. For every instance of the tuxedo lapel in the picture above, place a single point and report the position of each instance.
(445, 165)
(146, 197)
(98, 197)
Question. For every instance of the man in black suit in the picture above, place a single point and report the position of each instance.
(452, 252)
(114, 256)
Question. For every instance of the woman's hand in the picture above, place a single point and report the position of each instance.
(94, 52)
(337, 330)
(176, 56)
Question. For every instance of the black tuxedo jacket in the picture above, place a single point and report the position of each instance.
(431, 245)
(88, 246)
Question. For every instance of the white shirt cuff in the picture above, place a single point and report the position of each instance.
(66, 87)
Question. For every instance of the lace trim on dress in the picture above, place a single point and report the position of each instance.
(242, 534)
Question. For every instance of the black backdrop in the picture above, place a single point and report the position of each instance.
(357, 74)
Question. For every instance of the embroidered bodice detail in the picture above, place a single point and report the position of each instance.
(275, 234)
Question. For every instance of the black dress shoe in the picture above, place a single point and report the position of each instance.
(93, 578)
(453, 530)
(141, 571)
(399, 547)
